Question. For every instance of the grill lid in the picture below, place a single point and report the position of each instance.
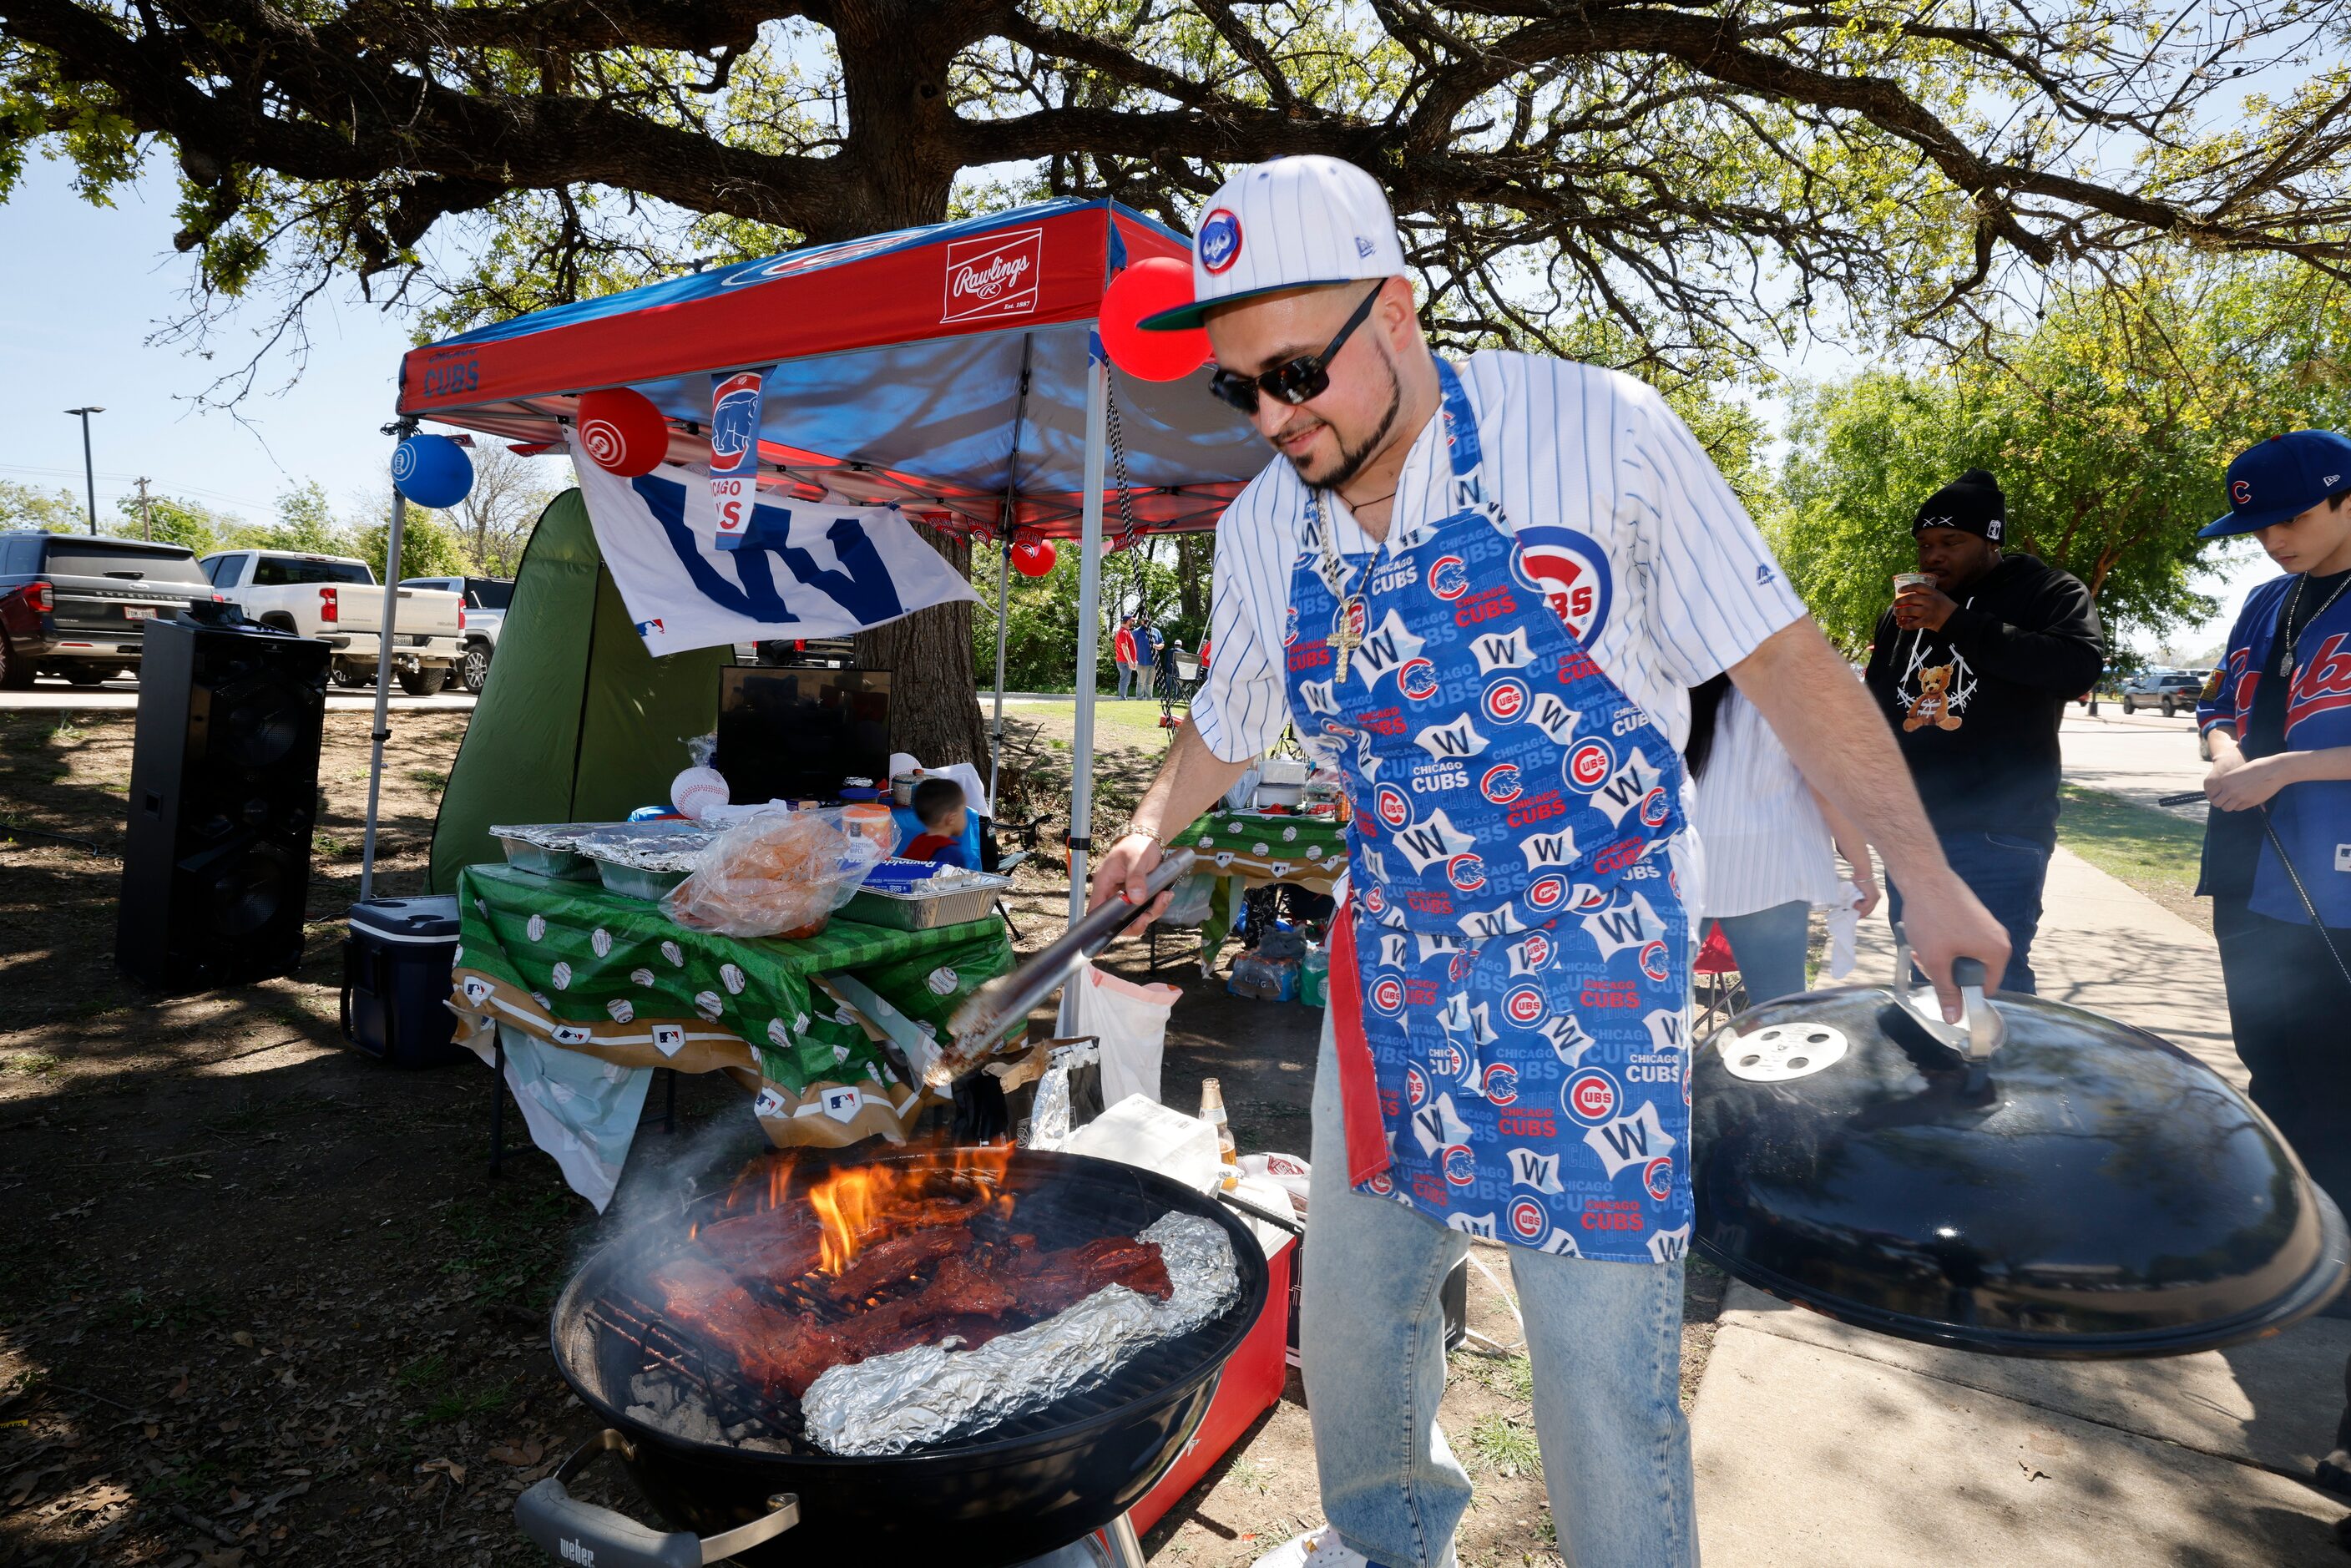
(2078, 1188)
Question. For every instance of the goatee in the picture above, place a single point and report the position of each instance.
(1351, 459)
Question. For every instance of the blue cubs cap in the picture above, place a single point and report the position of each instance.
(2282, 477)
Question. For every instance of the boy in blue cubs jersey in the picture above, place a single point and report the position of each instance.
(2277, 844)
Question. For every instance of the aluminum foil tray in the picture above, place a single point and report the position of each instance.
(949, 898)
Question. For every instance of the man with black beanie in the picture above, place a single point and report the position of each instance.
(1973, 666)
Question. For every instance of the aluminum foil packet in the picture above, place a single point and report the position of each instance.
(889, 1403)
(549, 836)
(647, 846)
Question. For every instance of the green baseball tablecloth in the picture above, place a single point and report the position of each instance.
(590, 970)
(1254, 849)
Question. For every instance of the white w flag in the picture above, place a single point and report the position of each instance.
(799, 570)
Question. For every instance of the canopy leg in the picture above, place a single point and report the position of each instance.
(382, 731)
(996, 732)
(1090, 552)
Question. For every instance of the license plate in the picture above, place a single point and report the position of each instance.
(139, 612)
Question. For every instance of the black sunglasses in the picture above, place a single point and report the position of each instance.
(1294, 382)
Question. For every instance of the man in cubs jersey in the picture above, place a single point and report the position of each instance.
(1481, 590)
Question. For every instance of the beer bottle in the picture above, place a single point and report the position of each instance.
(1212, 1110)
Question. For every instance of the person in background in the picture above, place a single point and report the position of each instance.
(2277, 842)
(938, 805)
(1123, 650)
(1973, 670)
(1765, 840)
(1147, 655)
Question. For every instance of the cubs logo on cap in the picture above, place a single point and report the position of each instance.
(1219, 240)
(1292, 223)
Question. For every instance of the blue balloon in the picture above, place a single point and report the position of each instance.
(431, 470)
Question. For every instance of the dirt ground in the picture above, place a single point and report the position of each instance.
(261, 1303)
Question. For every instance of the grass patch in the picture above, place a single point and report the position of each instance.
(31, 1063)
(456, 1406)
(67, 733)
(425, 1373)
(433, 778)
(2142, 847)
(1506, 1445)
(1511, 1377)
(510, 1250)
(1134, 722)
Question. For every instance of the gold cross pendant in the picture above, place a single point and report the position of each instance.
(1347, 632)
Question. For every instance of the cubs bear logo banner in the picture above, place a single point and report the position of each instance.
(783, 569)
(734, 453)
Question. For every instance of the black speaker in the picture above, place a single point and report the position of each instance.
(224, 794)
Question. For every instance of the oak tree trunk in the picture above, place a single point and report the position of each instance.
(933, 699)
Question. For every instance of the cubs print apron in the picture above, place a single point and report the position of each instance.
(1516, 1055)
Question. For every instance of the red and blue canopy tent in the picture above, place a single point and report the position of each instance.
(955, 372)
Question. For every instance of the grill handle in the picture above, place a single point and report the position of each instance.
(581, 1532)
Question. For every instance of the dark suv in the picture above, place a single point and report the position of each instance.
(77, 606)
(2171, 690)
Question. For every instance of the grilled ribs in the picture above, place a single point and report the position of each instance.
(975, 1292)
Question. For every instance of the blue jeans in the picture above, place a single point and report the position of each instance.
(1605, 1341)
(1126, 679)
(2006, 874)
(1770, 946)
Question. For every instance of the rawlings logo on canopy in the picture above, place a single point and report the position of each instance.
(789, 570)
(995, 275)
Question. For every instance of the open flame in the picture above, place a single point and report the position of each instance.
(860, 1204)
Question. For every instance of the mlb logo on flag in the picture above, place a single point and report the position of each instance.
(994, 275)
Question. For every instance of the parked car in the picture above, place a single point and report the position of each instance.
(2171, 690)
(77, 605)
(337, 600)
(486, 601)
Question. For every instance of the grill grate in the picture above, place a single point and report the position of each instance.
(629, 1337)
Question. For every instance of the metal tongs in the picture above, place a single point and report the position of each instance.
(1980, 1030)
(1004, 1004)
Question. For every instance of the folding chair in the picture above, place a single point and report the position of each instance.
(1725, 992)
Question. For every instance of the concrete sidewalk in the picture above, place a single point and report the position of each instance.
(1821, 1447)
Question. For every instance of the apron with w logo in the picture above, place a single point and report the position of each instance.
(1515, 1058)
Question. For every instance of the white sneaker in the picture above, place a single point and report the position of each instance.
(1316, 1549)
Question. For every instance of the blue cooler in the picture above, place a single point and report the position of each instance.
(396, 964)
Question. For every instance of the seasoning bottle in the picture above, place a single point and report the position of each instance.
(1212, 1110)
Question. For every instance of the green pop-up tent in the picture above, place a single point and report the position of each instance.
(577, 722)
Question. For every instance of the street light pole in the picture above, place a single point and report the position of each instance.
(88, 473)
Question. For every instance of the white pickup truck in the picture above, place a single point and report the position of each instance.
(338, 601)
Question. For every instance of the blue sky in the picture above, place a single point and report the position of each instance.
(83, 289)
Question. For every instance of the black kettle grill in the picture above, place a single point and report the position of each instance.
(2036, 1181)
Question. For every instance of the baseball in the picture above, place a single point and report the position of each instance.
(696, 789)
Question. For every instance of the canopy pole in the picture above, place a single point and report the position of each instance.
(1003, 586)
(1090, 550)
(1004, 568)
(382, 731)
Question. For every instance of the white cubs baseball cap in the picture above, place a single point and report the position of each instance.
(1292, 223)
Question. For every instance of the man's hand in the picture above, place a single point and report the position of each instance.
(1866, 886)
(2237, 785)
(1944, 922)
(1923, 605)
(1120, 874)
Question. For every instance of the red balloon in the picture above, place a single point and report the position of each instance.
(622, 431)
(1146, 288)
(1033, 558)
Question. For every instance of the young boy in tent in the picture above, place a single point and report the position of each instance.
(938, 806)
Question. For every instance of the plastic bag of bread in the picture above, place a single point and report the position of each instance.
(780, 874)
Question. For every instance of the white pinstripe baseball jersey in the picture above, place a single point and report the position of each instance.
(1684, 586)
(1766, 841)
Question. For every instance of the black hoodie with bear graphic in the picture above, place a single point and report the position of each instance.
(1976, 706)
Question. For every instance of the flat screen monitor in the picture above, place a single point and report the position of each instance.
(794, 734)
